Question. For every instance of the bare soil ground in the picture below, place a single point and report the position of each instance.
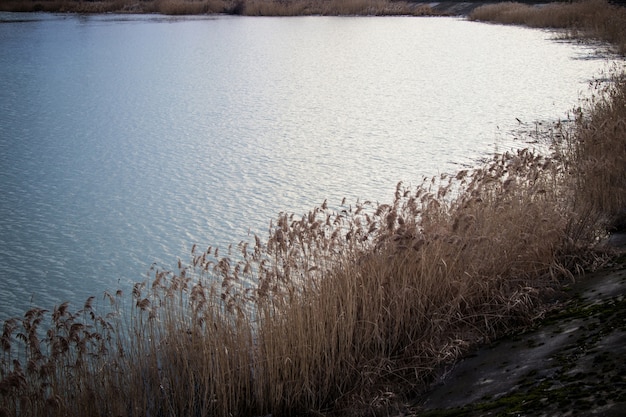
(571, 363)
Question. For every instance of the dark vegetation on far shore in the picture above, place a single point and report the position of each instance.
(583, 19)
(234, 7)
(352, 308)
(283, 8)
(263, 7)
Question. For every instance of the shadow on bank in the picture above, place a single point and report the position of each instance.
(569, 363)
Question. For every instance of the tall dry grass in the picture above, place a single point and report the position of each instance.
(63, 6)
(599, 137)
(239, 7)
(600, 155)
(583, 18)
(334, 7)
(341, 310)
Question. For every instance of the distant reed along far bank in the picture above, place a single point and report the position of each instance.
(230, 7)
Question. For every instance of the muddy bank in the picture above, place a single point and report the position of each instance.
(570, 363)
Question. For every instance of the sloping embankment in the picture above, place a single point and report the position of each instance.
(571, 363)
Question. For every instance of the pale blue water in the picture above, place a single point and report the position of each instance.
(124, 140)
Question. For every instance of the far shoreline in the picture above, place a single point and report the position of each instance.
(251, 7)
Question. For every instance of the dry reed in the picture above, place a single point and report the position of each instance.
(343, 309)
(584, 18)
(239, 7)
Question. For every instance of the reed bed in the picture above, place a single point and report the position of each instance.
(238, 7)
(63, 6)
(583, 19)
(599, 156)
(334, 7)
(343, 310)
(598, 169)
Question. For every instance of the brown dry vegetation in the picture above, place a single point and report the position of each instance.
(352, 306)
(588, 18)
(239, 7)
(333, 7)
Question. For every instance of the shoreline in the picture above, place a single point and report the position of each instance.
(249, 7)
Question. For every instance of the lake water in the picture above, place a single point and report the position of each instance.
(124, 140)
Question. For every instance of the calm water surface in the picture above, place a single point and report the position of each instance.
(124, 140)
